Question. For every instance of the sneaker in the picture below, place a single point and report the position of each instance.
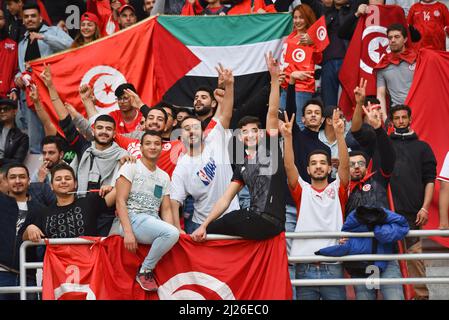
(147, 281)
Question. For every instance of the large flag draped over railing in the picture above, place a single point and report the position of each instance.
(168, 57)
(214, 270)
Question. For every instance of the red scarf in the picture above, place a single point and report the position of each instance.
(408, 55)
(361, 182)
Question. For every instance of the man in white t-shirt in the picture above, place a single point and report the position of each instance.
(444, 193)
(142, 200)
(204, 172)
(319, 208)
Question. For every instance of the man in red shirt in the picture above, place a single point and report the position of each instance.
(431, 18)
(8, 57)
(127, 118)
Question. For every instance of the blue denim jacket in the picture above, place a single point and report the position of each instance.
(55, 40)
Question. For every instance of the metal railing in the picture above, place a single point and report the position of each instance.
(24, 265)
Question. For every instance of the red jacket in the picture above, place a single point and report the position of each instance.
(8, 65)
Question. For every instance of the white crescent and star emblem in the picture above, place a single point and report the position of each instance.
(377, 47)
(298, 55)
(366, 187)
(436, 13)
(192, 285)
(104, 80)
(321, 33)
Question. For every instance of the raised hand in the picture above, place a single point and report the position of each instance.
(338, 123)
(373, 119)
(287, 125)
(360, 92)
(225, 76)
(46, 76)
(272, 65)
(34, 94)
(136, 102)
(86, 93)
(219, 95)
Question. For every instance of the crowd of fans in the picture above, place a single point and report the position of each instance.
(151, 173)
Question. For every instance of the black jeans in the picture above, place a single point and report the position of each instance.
(247, 224)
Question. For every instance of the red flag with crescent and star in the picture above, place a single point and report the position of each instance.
(213, 270)
(318, 33)
(368, 45)
(145, 54)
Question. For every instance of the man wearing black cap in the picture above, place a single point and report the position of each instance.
(128, 117)
(14, 143)
(127, 16)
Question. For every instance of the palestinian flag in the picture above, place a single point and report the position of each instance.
(237, 42)
(167, 57)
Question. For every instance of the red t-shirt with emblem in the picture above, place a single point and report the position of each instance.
(296, 57)
(167, 159)
(122, 126)
(430, 19)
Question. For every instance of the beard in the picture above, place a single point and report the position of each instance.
(101, 143)
(203, 111)
(319, 178)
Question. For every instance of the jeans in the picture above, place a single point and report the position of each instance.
(190, 226)
(389, 292)
(11, 279)
(330, 82)
(244, 198)
(300, 98)
(320, 271)
(290, 225)
(29, 121)
(151, 230)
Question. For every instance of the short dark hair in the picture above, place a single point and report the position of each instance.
(161, 109)
(150, 133)
(397, 27)
(313, 101)
(164, 104)
(359, 153)
(16, 165)
(31, 5)
(106, 118)
(121, 89)
(319, 151)
(208, 90)
(399, 107)
(53, 140)
(371, 99)
(187, 110)
(191, 117)
(247, 120)
(59, 167)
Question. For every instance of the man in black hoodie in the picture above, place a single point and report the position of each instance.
(412, 183)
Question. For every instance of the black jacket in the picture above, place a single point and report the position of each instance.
(16, 147)
(10, 239)
(371, 191)
(415, 167)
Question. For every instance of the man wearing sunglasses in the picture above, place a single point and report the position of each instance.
(14, 143)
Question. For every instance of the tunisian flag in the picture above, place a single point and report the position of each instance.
(429, 100)
(214, 270)
(318, 33)
(368, 44)
(145, 54)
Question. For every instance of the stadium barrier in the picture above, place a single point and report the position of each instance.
(23, 289)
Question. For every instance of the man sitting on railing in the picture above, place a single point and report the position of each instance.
(319, 206)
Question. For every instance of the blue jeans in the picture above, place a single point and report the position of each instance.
(320, 271)
(151, 230)
(244, 198)
(11, 279)
(389, 292)
(330, 82)
(32, 125)
(190, 226)
(300, 99)
(290, 225)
